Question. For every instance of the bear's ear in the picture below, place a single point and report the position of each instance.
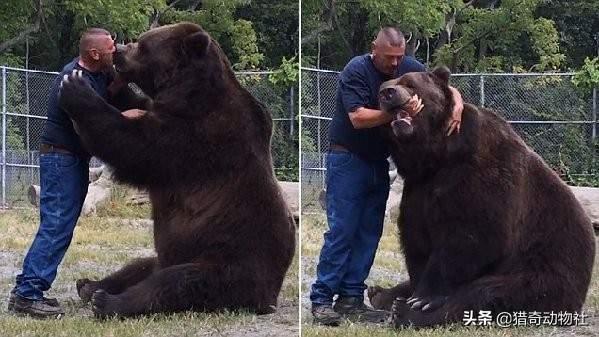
(442, 73)
(196, 44)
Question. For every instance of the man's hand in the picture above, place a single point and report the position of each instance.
(414, 106)
(133, 113)
(456, 112)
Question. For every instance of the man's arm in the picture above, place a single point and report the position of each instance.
(456, 112)
(363, 118)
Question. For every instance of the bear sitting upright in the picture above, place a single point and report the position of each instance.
(484, 223)
(223, 235)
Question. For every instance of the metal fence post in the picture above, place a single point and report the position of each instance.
(482, 91)
(318, 140)
(594, 114)
(291, 111)
(3, 136)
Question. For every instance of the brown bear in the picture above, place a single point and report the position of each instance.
(223, 235)
(484, 223)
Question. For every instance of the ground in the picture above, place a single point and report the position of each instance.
(388, 269)
(102, 244)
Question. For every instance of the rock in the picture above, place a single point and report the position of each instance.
(589, 198)
(95, 173)
(98, 192)
(291, 195)
(33, 193)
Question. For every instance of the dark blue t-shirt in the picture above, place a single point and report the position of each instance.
(358, 86)
(59, 129)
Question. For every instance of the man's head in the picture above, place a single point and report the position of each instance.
(95, 49)
(388, 49)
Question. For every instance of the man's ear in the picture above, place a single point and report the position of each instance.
(442, 73)
(93, 53)
(196, 44)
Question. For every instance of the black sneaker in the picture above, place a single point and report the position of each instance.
(324, 314)
(34, 308)
(48, 300)
(354, 310)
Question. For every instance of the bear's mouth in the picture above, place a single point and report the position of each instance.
(403, 115)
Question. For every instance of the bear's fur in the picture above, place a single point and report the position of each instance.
(484, 223)
(223, 235)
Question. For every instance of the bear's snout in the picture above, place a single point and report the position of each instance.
(120, 48)
(392, 97)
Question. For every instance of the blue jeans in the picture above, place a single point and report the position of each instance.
(64, 179)
(357, 192)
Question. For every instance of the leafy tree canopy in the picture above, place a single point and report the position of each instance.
(469, 36)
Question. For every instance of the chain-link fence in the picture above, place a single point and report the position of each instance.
(24, 95)
(551, 115)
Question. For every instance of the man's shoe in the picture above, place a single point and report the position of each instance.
(48, 300)
(34, 308)
(325, 315)
(354, 310)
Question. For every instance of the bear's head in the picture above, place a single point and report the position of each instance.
(433, 89)
(419, 142)
(165, 56)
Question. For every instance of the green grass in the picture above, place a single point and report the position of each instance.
(186, 324)
(102, 244)
(389, 267)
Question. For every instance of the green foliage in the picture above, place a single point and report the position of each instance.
(424, 17)
(577, 23)
(14, 139)
(544, 38)
(15, 16)
(308, 143)
(231, 23)
(244, 46)
(11, 60)
(287, 74)
(481, 36)
(127, 18)
(276, 24)
(509, 34)
(214, 16)
(237, 37)
(587, 77)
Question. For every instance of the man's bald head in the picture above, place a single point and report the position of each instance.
(93, 38)
(390, 36)
(95, 49)
(388, 50)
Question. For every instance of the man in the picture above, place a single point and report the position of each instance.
(64, 178)
(358, 180)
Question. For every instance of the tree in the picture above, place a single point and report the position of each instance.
(52, 28)
(277, 28)
(484, 35)
(578, 24)
(254, 34)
